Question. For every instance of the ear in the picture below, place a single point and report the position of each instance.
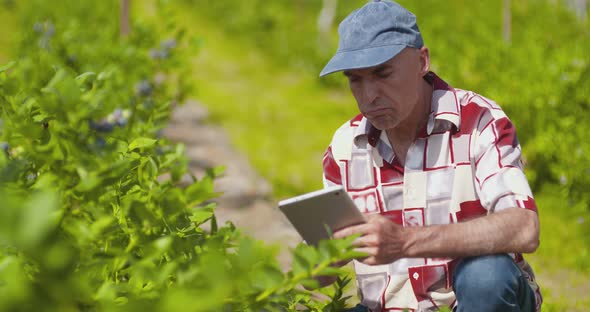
(424, 60)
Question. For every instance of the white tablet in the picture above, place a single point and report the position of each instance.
(317, 214)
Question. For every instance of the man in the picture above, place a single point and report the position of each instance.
(438, 172)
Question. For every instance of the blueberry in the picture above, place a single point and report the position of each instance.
(5, 147)
(43, 43)
(121, 122)
(100, 142)
(143, 88)
(159, 54)
(148, 103)
(49, 29)
(106, 127)
(38, 27)
(155, 54)
(563, 180)
(31, 177)
(71, 60)
(119, 117)
(117, 113)
(168, 44)
(101, 126)
(110, 118)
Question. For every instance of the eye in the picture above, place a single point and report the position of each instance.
(353, 78)
(384, 74)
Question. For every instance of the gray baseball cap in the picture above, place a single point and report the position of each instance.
(372, 35)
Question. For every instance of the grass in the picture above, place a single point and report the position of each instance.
(279, 117)
(8, 25)
(562, 262)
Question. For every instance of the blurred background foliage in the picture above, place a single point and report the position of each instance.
(93, 214)
(255, 65)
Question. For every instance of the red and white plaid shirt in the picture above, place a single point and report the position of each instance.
(465, 164)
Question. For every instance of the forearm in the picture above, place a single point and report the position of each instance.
(512, 230)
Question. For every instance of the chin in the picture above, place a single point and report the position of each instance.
(383, 125)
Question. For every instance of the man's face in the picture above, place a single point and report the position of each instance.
(387, 94)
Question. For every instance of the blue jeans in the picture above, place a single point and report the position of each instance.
(491, 283)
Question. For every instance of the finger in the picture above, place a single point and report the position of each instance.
(365, 241)
(368, 251)
(370, 261)
(351, 230)
(373, 217)
(378, 219)
(371, 257)
(376, 260)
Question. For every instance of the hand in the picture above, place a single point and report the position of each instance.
(380, 238)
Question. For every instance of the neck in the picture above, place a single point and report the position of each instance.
(408, 130)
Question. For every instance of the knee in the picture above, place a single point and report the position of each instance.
(486, 276)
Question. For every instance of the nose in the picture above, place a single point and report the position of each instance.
(370, 92)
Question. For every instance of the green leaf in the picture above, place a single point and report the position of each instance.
(88, 180)
(42, 117)
(104, 75)
(7, 66)
(330, 271)
(354, 254)
(201, 215)
(200, 191)
(65, 87)
(101, 224)
(216, 171)
(141, 143)
(264, 294)
(81, 79)
(310, 283)
(214, 224)
(40, 217)
(163, 244)
(300, 262)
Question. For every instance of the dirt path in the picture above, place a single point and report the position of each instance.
(247, 199)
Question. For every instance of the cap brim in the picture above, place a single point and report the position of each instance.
(361, 58)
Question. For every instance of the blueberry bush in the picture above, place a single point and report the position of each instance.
(94, 216)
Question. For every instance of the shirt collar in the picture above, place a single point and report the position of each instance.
(445, 112)
(444, 105)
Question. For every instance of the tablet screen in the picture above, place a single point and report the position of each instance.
(317, 214)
